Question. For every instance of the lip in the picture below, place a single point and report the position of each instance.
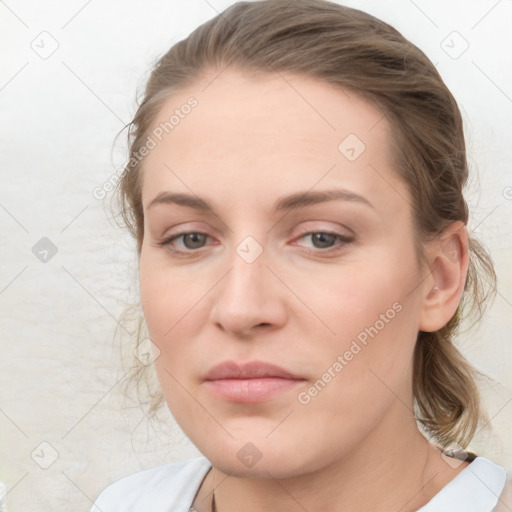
(251, 382)
(249, 370)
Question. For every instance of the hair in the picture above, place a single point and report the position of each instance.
(354, 51)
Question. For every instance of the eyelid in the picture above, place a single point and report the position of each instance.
(308, 229)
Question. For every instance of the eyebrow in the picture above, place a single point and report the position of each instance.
(288, 203)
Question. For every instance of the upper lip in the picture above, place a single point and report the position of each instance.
(249, 370)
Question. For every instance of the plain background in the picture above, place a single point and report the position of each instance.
(60, 371)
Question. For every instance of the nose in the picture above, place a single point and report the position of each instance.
(249, 298)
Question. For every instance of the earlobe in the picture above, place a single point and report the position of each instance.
(443, 290)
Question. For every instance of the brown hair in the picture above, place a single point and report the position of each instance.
(356, 51)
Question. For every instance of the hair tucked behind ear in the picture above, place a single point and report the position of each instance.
(444, 383)
(356, 51)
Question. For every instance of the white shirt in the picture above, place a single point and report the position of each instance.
(172, 488)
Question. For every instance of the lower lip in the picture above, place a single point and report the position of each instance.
(251, 390)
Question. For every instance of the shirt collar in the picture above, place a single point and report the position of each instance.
(476, 488)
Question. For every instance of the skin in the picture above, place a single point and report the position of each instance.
(250, 141)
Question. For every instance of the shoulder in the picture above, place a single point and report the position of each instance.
(505, 499)
(168, 487)
(480, 487)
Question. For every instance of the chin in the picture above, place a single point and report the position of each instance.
(276, 466)
(261, 456)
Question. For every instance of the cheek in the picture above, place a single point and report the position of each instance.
(168, 295)
(157, 303)
(356, 298)
(373, 319)
(359, 377)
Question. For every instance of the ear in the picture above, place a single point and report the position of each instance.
(448, 258)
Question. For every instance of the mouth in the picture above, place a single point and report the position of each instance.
(252, 382)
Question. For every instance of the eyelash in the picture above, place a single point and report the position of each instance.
(341, 238)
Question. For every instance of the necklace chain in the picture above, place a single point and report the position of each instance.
(213, 507)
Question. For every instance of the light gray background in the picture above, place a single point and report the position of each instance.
(60, 369)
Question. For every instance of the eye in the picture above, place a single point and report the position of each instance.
(191, 241)
(326, 241)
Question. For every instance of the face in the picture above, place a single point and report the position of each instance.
(279, 284)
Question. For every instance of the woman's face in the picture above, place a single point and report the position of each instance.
(299, 255)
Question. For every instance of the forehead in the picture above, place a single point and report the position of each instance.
(308, 109)
(275, 129)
